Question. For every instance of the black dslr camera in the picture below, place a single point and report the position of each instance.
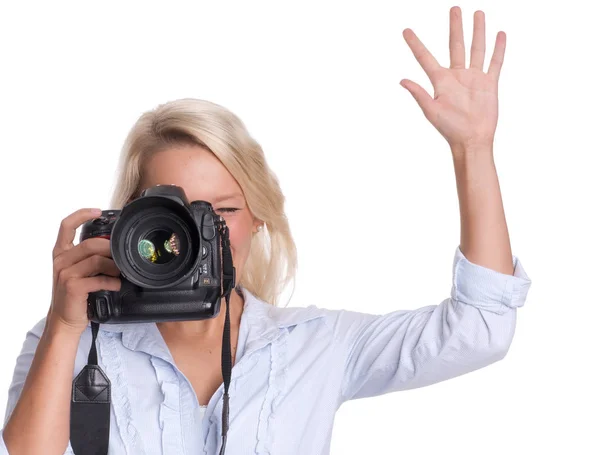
(169, 252)
(176, 265)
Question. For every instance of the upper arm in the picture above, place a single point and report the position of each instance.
(407, 349)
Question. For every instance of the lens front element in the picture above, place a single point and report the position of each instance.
(159, 246)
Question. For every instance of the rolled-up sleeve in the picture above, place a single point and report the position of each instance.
(407, 349)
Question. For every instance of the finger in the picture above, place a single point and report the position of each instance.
(92, 266)
(457, 40)
(497, 56)
(89, 247)
(421, 96)
(68, 227)
(423, 56)
(80, 288)
(478, 43)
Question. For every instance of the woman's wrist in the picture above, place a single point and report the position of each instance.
(56, 327)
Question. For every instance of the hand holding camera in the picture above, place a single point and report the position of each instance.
(77, 271)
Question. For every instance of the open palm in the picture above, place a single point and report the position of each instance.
(464, 108)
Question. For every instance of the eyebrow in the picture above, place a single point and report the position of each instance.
(227, 197)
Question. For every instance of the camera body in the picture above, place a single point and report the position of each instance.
(168, 251)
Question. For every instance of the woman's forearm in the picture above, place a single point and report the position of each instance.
(484, 238)
(40, 421)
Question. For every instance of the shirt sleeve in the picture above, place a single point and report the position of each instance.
(23, 364)
(3, 449)
(407, 349)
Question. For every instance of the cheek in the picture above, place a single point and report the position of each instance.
(240, 236)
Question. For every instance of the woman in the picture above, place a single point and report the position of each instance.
(166, 377)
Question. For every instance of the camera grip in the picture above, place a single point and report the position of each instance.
(146, 306)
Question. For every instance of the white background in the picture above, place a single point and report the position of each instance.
(317, 84)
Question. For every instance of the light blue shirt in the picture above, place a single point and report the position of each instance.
(295, 367)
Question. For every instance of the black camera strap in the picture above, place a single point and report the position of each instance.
(90, 406)
(226, 362)
(90, 400)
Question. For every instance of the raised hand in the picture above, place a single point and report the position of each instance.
(464, 108)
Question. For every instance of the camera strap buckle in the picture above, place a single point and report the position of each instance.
(228, 281)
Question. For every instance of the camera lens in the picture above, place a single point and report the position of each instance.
(156, 243)
(159, 246)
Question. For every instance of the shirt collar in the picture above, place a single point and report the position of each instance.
(264, 320)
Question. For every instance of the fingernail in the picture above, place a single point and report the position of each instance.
(96, 212)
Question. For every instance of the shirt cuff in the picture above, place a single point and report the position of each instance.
(488, 289)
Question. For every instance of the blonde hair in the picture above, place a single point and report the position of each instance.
(272, 259)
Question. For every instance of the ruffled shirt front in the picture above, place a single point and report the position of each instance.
(294, 367)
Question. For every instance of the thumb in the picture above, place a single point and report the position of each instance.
(420, 95)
